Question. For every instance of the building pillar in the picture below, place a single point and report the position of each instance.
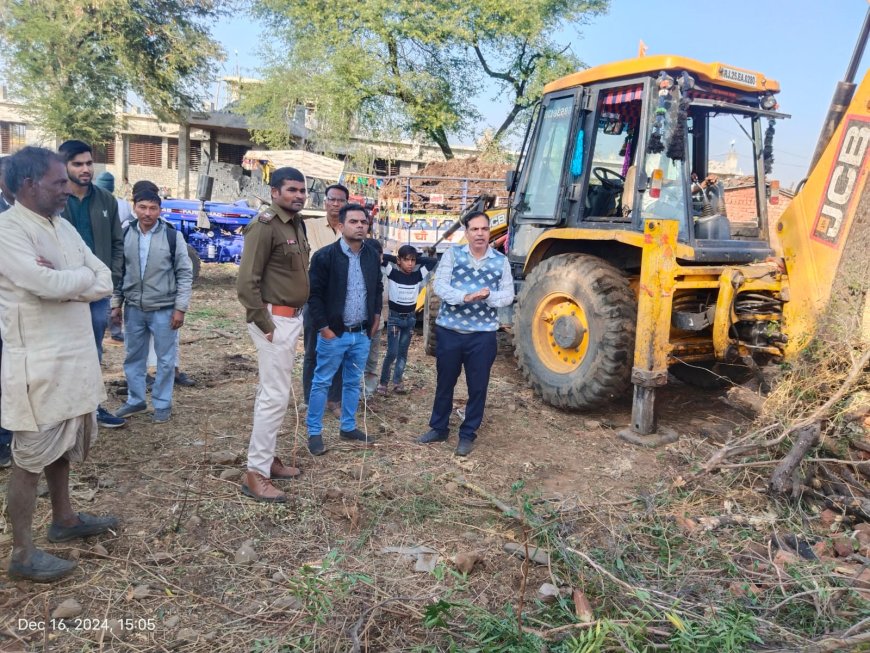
(115, 166)
(212, 145)
(122, 156)
(183, 160)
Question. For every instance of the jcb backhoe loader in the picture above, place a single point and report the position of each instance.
(625, 260)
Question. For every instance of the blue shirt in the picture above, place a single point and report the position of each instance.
(80, 212)
(355, 300)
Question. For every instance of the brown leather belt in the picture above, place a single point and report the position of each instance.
(285, 311)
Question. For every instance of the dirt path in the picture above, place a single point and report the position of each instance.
(319, 561)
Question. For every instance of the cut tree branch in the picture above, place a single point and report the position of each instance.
(816, 416)
(781, 480)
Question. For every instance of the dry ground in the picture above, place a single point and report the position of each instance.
(320, 579)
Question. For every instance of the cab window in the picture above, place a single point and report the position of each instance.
(547, 162)
(665, 196)
(615, 127)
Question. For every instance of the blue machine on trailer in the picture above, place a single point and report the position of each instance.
(222, 241)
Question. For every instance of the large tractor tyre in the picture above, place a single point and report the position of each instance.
(711, 375)
(574, 329)
(430, 313)
(195, 261)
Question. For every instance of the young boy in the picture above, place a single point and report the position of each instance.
(404, 282)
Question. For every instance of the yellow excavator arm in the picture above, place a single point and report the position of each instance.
(814, 229)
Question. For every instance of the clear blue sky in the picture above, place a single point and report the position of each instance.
(803, 44)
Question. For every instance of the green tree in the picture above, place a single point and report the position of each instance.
(405, 67)
(73, 63)
(515, 47)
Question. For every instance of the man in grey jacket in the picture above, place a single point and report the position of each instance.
(155, 291)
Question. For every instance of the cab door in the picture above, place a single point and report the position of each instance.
(541, 191)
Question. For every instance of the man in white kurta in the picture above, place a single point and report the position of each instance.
(50, 374)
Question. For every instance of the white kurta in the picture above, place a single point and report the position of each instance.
(50, 370)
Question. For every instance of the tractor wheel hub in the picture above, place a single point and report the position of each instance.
(568, 332)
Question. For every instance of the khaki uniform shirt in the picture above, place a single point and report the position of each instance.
(274, 266)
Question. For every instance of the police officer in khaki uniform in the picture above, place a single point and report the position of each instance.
(273, 288)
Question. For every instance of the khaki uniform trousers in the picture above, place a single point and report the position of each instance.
(273, 394)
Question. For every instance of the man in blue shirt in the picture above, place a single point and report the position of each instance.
(473, 282)
(345, 303)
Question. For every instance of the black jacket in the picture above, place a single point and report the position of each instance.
(328, 279)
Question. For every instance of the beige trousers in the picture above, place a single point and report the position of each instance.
(273, 394)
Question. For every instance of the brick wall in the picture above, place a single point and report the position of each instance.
(740, 204)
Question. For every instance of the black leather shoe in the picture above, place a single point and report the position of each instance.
(315, 445)
(464, 447)
(42, 568)
(182, 379)
(356, 436)
(432, 436)
(88, 525)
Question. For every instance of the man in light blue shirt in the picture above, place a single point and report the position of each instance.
(473, 282)
(345, 304)
(155, 294)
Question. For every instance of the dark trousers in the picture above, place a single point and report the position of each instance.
(309, 362)
(453, 351)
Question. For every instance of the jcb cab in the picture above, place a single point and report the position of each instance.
(625, 258)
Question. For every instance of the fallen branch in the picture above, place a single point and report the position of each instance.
(207, 336)
(781, 480)
(831, 644)
(665, 601)
(745, 401)
(511, 512)
(855, 373)
(859, 444)
(720, 521)
(852, 505)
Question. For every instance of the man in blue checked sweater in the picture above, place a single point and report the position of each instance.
(473, 281)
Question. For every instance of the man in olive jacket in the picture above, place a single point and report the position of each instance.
(94, 213)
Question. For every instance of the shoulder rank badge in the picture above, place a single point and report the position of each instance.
(266, 216)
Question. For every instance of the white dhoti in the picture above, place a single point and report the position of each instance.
(33, 451)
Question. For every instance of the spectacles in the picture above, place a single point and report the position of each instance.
(336, 200)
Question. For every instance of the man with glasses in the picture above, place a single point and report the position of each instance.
(322, 232)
